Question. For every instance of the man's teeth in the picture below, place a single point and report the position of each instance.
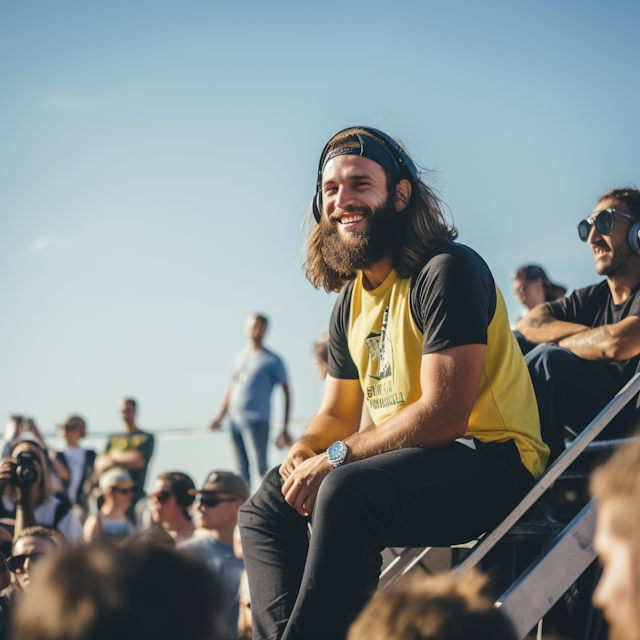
(350, 219)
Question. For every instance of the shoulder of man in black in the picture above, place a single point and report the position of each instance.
(582, 306)
(456, 276)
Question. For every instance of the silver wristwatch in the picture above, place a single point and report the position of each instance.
(337, 454)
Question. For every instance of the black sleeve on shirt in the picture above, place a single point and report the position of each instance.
(583, 306)
(146, 449)
(453, 299)
(341, 365)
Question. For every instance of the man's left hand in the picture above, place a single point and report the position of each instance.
(301, 487)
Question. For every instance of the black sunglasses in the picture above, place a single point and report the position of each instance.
(16, 563)
(603, 222)
(161, 496)
(214, 501)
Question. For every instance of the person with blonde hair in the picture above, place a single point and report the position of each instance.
(616, 485)
(432, 608)
(26, 491)
(111, 523)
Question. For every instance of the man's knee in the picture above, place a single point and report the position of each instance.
(344, 489)
(550, 360)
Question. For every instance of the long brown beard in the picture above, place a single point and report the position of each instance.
(346, 254)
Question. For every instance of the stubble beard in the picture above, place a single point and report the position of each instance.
(350, 252)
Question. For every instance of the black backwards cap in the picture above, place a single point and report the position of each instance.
(375, 145)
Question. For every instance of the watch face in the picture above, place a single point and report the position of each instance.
(334, 450)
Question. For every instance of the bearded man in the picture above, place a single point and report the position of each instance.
(420, 331)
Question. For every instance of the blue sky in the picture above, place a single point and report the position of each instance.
(158, 158)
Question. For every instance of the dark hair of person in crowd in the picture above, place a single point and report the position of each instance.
(262, 319)
(530, 272)
(417, 230)
(131, 401)
(181, 484)
(433, 608)
(628, 195)
(129, 593)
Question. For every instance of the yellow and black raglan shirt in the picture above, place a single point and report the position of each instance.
(380, 336)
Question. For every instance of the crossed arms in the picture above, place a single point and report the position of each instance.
(450, 380)
(610, 342)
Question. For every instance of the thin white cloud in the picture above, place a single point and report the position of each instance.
(70, 103)
(40, 244)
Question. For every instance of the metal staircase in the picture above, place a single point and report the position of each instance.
(533, 594)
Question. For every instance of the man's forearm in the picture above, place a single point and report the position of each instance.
(323, 431)
(418, 425)
(539, 326)
(128, 459)
(25, 517)
(595, 344)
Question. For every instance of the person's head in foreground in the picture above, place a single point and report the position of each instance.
(33, 545)
(616, 485)
(613, 232)
(370, 204)
(432, 608)
(532, 286)
(129, 593)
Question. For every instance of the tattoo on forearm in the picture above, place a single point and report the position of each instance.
(538, 321)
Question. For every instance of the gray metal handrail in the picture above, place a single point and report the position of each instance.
(547, 479)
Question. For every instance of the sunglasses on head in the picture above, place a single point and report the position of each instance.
(16, 563)
(214, 501)
(161, 496)
(603, 222)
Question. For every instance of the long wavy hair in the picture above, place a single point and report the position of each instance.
(421, 227)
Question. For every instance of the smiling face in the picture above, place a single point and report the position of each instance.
(359, 220)
(618, 592)
(611, 251)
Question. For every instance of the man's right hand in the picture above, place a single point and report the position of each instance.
(215, 424)
(9, 476)
(298, 453)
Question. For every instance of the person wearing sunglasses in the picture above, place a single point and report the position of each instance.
(112, 523)
(589, 342)
(217, 505)
(31, 546)
(170, 503)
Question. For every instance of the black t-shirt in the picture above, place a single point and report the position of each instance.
(137, 441)
(594, 307)
(452, 301)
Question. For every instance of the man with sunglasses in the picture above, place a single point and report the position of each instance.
(29, 548)
(590, 340)
(220, 498)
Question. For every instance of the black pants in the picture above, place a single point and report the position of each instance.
(313, 589)
(572, 391)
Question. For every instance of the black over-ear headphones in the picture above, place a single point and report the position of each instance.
(376, 146)
(634, 238)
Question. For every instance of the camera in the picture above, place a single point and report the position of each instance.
(26, 469)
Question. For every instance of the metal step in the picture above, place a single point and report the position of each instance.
(531, 596)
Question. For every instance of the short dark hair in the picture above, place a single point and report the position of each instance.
(321, 350)
(131, 592)
(433, 608)
(262, 319)
(181, 483)
(628, 195)
(130, 401)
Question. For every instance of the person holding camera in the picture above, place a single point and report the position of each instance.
(25, 488)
